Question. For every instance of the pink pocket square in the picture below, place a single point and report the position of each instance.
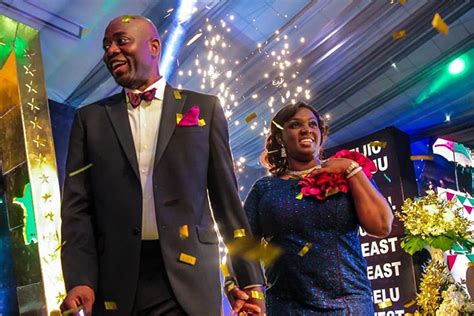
(190, 118)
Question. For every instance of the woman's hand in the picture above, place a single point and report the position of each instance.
(333, 165)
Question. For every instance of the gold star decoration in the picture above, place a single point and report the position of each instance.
(36, 124)
(47, 196)
(33, 106)
(60, 297)
(49, 216)
(40, 159)
(31, 87)
(44, 178)
(39, 141)
(29, 70)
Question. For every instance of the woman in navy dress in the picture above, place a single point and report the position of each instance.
(321, 271)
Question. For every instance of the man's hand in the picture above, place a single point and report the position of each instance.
(256, 299)
(243, 303)
(81, 295)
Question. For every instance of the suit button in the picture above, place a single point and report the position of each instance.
(136, 231)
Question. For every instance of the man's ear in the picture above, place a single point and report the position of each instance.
(155, 46)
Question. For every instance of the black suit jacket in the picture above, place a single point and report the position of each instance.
(102, 206)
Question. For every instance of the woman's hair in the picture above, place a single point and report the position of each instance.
(271, 157)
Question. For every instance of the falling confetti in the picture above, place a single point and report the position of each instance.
(377, 143)
(387, 178)
(183, 232)
(127, 19)
(398, 35)
(258, 295)
(187, 259)
(307, 246)
(225, 270)
(421, 157)
(409, 303)
(439, 24)
(110, 305)
(254, 250)
(239, 233)
(250, 117)
(385, 304)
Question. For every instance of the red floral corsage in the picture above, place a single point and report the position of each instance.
(326, 184)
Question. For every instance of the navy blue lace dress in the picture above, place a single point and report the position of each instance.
(331, 278)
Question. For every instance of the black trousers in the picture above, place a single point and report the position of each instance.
(154, 295)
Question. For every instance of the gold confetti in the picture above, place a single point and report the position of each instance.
(201, 122)
(72, 174)
(385, 304)
(254, 250)
(225, 270)
(239, 233)
(187, 259)
(110, 305)
(439, 24)
(305, 249)
(470, 264)
(377, 143)
(127, 19)
(179, 117)
(258, 295)
(177, 95)
(402, 2)
(332, 191)
(277, 125)
(409, 304)
(183, 232)
(230, 287)
(250, 117)
(299, 196)
(421, 157)
(398, 35)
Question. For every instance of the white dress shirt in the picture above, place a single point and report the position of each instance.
(145, 124)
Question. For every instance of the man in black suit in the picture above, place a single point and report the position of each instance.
(137, 225)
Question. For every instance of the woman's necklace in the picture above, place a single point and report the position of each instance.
(301, 173)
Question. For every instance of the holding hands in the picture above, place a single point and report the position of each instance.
(246, 302)
(81, 295)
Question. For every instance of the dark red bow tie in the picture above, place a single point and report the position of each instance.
(136, 98)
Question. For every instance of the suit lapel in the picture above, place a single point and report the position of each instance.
(118, 115)
(171, 106)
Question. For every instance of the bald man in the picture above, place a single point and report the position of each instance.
(144, 168)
